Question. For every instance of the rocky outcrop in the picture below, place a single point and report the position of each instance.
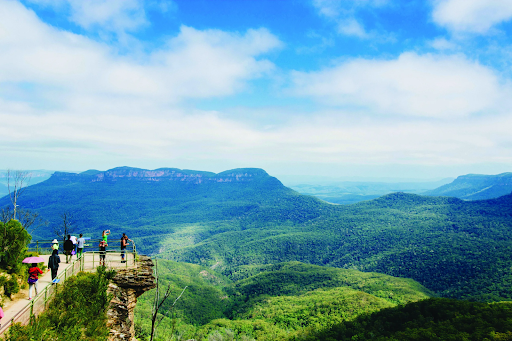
(126, 286)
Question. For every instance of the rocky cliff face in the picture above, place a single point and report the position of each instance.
(162, 174)
(126, 286)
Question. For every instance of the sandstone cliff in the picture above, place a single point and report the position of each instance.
(161, 174)
(126, 286)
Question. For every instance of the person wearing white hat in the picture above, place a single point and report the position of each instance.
(55, 244)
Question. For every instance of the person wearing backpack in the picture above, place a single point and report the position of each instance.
(33, 277)
(53, 263)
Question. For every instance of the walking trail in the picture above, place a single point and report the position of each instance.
(91, 261)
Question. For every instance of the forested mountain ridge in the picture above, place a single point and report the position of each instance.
(147, 202)
(476, 187)
(456, 248)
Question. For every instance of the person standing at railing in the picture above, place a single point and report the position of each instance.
(124, 244)
(68, 248)
(73, 239)
(103, 250)
(104, 236)
(80, 245)
(53, 263)
(33, 277)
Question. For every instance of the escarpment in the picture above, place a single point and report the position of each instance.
(126, 286)
(240, 175)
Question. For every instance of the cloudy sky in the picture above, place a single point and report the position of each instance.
(342, 88)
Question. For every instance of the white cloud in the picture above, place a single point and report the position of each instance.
(77, 99)
(109, 15)
(442, 44)
(116, 15)
(194, 64)
(101, 109)
(203, 136)
(476, 16)
(416, 85)
(344, 14)
(350, 27)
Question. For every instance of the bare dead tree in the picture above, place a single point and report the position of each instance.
(67, 225)
(17, 180)
(27, 218)
(157, 304)
(6, 214)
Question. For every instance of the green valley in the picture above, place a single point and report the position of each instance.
(281, 301)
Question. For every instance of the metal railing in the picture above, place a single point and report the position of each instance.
(44, 247)
(88, 262)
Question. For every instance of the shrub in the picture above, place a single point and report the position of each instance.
(77, 312)
(11, 286)
(13, 245)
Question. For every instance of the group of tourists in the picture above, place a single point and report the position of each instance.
(72, 246)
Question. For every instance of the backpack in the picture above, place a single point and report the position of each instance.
(53, 262)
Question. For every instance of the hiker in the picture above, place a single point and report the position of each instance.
(53, 263)
(103, 250)
(33, 277)
(68, 248)
(80, 245)
(104, 235)
(55, 244)
(73, 239)
(124, 244)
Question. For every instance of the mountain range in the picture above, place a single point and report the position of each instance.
(239, 220)
(476, 187)
(350, 192)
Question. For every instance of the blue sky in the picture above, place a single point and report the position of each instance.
(339, 88)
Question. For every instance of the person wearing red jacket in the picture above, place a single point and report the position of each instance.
(33, 277)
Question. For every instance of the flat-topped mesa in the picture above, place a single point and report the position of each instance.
(162, 174)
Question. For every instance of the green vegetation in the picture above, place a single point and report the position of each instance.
(78, 312)
(13, 249)
(13, 246)
(433, 319)
(458, 249)
(281, 301)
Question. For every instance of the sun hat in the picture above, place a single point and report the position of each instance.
(55, 241)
